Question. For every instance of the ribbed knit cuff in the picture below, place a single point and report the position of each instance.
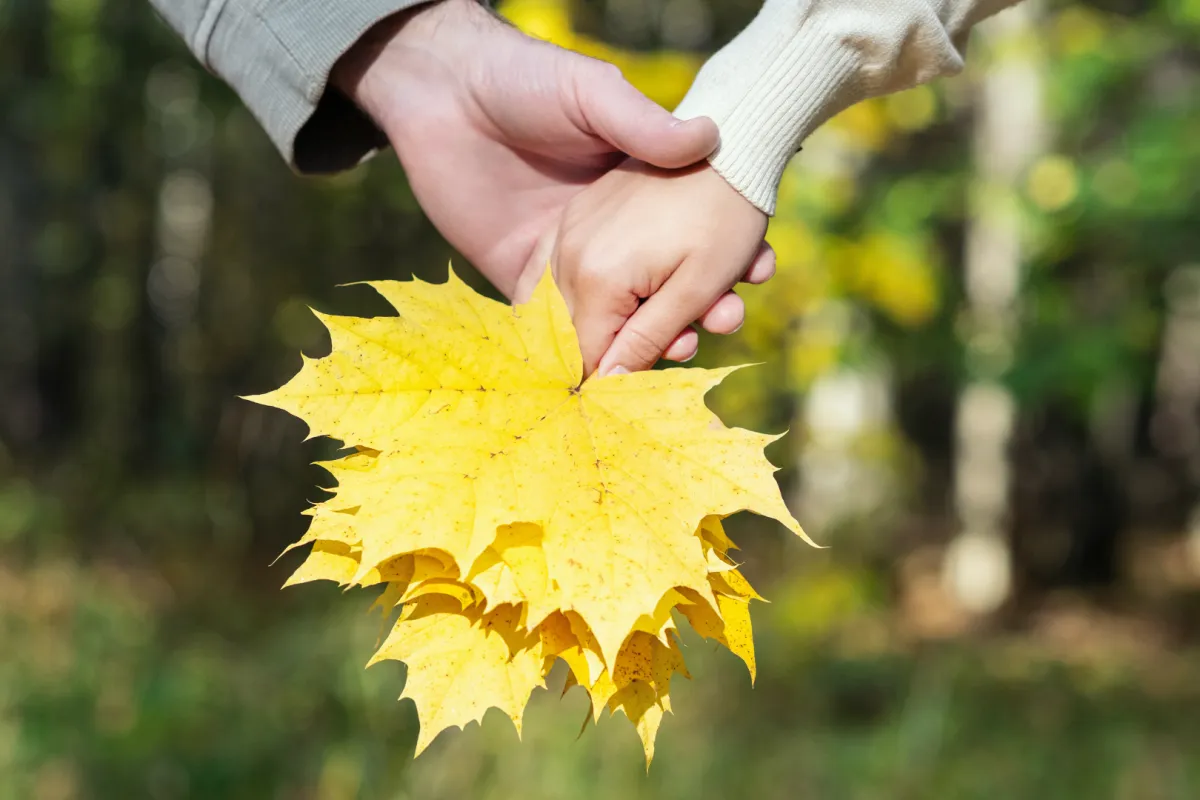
(277, 56)
(776, 83)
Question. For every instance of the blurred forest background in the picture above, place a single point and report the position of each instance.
(984, 339)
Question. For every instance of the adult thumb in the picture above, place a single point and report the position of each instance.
(634, 124)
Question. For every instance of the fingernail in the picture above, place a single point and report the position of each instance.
(618, 370)
(689, 358)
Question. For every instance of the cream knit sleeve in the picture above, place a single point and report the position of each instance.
(802, 61)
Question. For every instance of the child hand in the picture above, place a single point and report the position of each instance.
(642, 253)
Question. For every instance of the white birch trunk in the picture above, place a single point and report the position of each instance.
(1010, 134)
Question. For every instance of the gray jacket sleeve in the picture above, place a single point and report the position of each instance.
(277, 55)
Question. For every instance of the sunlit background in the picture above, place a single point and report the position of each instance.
(984, 339)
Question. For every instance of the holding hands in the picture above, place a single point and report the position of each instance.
(522, 153)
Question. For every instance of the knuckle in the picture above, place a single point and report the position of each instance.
(695, 299)
(569, 249)
(592, 73)
(643, 346)
(571, 252)
(594, 273)
(607, 71)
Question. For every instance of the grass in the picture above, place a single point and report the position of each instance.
(112, 684)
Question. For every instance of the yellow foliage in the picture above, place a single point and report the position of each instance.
(520, 513)
(1053, 183)
(811, 607)
(1079, 30)
(895, 276)
(865, 125)
(912, 110)
(545, 19)
(813, 350)
(794, 243)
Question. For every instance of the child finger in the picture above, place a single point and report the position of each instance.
(685, 346)
(762, 269)
(724, 316)
(657, 323)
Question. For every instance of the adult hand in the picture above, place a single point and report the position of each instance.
(498, 131)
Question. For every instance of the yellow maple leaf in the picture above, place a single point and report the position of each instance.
(327, 561)
(513, 570)
(642, 705)
(481, 420)
(559, 641)
(731, 583)
(640, 685)
(726, 621)
(461, 664)
(520, 515)
(738, 634)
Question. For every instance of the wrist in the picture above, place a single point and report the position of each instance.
(405, 56)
